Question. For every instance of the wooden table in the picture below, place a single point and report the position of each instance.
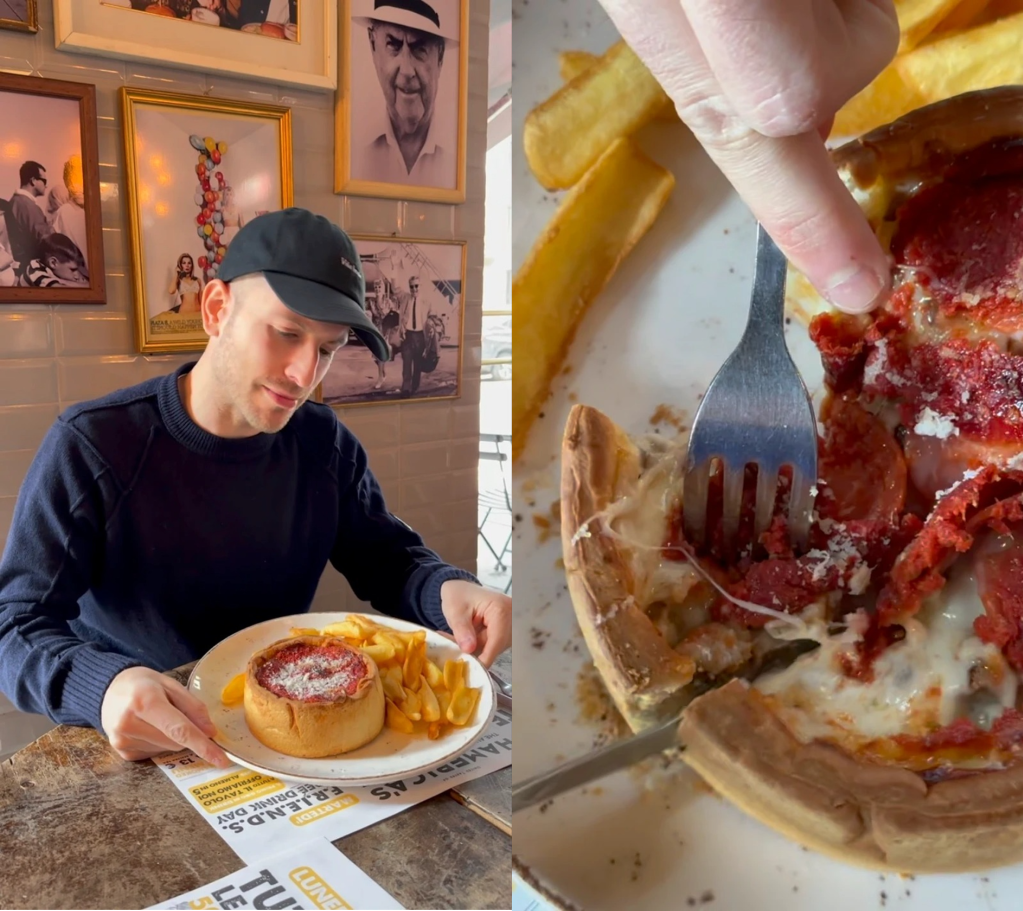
(81, 828)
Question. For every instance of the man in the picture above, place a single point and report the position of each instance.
(158, 520)
(407, 41)
(27, 226)
(413, 312)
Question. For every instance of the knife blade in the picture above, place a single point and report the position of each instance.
(596, 764)
(623, 753)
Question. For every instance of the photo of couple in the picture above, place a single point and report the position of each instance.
(414, 295)
(43, 228)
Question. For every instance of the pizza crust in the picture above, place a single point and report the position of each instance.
(600, 464)
(925, 141)
(870, 815)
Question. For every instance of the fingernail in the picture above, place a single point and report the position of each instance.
(854, 289)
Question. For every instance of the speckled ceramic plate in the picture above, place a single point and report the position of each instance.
(656, 336)
(391, 756)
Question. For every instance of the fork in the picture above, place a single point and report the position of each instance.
(756, 410)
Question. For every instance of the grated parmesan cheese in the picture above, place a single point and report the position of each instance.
(931, 424)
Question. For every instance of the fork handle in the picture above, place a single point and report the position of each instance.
(767, 303)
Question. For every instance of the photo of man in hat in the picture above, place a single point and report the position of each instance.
(407, 133)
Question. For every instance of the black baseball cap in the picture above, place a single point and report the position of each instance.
(311, 265)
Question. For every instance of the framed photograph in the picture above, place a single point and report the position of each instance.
(197, 170)
(290, 42)
(401, 100)
(19, 15)
(414, 295)
(51, 236)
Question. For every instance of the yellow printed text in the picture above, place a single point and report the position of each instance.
(324, 809)
(316, 890)
(234, 789)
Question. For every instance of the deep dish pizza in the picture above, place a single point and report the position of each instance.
(895, 739)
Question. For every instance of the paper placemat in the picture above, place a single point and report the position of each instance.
(255, 813)
(525, 898)
(314, 875)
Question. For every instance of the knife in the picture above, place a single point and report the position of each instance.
(623, 753)
(618, 755)
(503, 690)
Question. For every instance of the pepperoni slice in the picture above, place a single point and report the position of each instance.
(968, 238)
(861, 464)
(999, 572)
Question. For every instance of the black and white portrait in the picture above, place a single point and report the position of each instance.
(406, 99)
(44, 236)
(414, 295)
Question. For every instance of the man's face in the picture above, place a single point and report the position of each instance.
(268, 360)
(408, 66)
(66, 269)
(413, 286)
(38, 184)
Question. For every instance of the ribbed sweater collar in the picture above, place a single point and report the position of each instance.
(191, 435)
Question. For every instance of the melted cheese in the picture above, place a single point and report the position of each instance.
(919, 684)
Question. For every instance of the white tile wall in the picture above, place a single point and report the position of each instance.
(53, 356)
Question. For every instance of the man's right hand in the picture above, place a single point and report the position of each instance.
(145, 713)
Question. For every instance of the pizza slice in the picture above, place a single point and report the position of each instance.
(895, 740)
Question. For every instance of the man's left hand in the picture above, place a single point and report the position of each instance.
(480, 618)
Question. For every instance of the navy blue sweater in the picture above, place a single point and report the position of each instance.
(140, 539)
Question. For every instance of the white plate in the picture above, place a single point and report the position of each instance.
(656, 335)
(390, 757)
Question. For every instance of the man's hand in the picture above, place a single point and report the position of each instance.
(480, 618)
(145, 713)
(759, 82)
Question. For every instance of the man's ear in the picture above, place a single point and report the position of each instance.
(217, 303)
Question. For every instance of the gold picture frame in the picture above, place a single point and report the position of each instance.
(367, 161)
(114, 28)
(190, 219)
(29, 24)
(355, 378)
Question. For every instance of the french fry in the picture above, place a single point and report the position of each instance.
(391, 679)
(572, 63)
(434, 675)
(978, 58)
(414, 658)
(345, 629)
(885, 99)
(428, 700)
(433, 730)
(966, 14)
(391, 638)
(443, 701)
(303, 631)
(379, 653)
(454, 674)
(234, 692)
(463, 704)
(918, 18)
(596, 226)
(396, 719)
(412, 705)
(565, 135)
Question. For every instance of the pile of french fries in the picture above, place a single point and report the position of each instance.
(579, 140)
(421, 698)
(946, 47)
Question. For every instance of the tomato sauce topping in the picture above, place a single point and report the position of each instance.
(313, 673)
